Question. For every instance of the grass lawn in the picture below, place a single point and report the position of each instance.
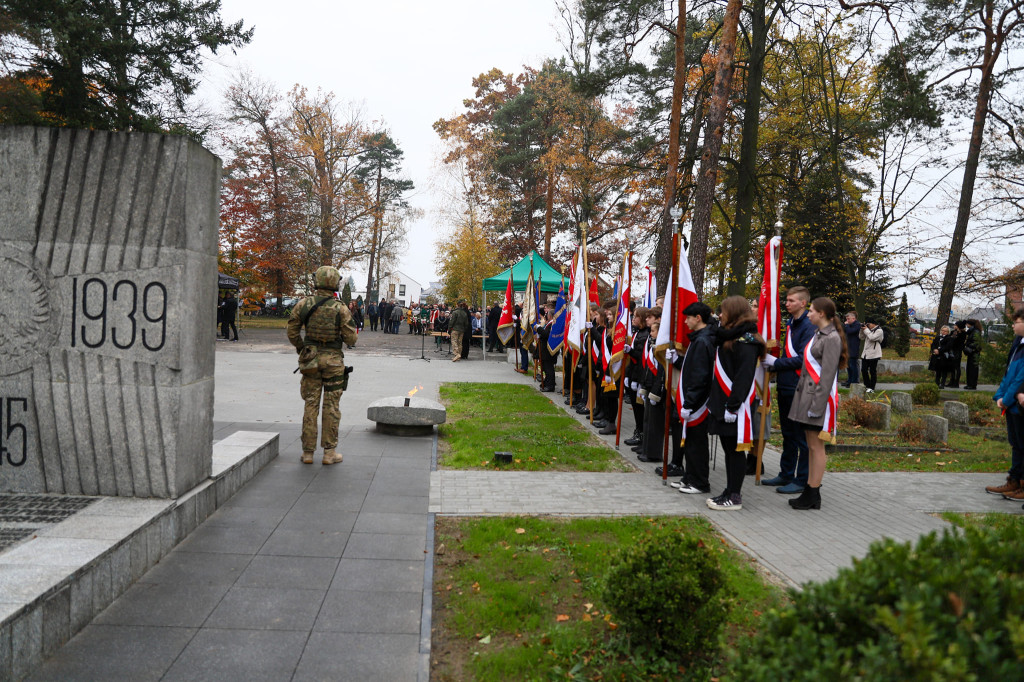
(521, 599)
(991, 520)
(483, 418)
(916, 354)
(262, 322)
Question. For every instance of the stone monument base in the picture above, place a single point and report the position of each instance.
(406, 416)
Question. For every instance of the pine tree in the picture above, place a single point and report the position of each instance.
(128, 65)
(902, 342)
(346, 293)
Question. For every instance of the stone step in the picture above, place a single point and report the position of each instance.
(55, 582)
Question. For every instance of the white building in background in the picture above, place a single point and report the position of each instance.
(434, 289)
(400, 287)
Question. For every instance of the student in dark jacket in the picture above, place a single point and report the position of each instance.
(739, 350)
(635, 349)
(697, 378)
(1009, 398)
(793, 462)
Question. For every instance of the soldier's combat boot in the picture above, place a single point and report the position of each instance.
(331, 457)
(307, 456)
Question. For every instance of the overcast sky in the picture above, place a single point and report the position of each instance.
(406, 64)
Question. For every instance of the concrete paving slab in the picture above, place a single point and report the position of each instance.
(311, 542)
(385, 546)
(370, 612)
(164, 604)
(357, 657)
(313, 573)
(116, 652)
(379, 575)
(198, 568)
(267, 608)
(238, 655)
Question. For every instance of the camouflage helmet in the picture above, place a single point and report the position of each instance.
(327, 277)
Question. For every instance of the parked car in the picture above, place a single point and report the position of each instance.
(995, 332)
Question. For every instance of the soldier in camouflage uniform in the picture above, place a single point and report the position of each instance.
(322, 360)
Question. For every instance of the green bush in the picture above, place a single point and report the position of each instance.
(982, 409)
(668, 590)
(949, 608)
(925, 394)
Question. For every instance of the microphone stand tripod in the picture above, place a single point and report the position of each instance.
(423, 337)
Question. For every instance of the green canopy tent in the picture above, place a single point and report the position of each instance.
(549, 278)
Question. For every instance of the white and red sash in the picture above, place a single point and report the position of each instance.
(744, 427)
(650, 361)
(696, 417)
(831, 421)
(790, 350)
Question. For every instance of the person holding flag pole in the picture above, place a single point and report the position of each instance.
(620, 335)
(529, 314)
(673, 336)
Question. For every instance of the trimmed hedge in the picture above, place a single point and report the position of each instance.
(950, 607)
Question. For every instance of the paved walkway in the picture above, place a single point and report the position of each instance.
(324, 573)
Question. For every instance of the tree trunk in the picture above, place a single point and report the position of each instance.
(746, 191)
(373, 237)
(963, 214)
(663, 254)
(705, 194)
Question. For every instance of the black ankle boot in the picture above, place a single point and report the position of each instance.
(810, 498)
(636, 439)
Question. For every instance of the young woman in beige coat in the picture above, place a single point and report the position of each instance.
(816, 403)
(871, 351)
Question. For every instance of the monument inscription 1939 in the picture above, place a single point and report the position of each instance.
(107, 272)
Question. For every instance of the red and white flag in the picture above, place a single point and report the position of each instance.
(769, 318)
(679, 293)
(507, 325)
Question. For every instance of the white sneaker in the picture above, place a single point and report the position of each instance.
(869, 390)
(690, 490)
(677, 484)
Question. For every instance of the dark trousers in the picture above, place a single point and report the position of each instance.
(870, 373)
(225, 325)
(954, 373)
(373, 323)
(853, 375)
(972, 371)
(794, 460)
(735, 462)
(654, 430)
(547, 365)
(695, 451)
(1015, 434)
(638, 410)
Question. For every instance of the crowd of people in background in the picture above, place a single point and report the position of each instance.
(948, 350)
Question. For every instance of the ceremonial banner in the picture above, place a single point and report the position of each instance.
(556, 335)
(768, 315)
(577, 311)
(651, 293)
(506, 325)
(594, 295)
(529, 316)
